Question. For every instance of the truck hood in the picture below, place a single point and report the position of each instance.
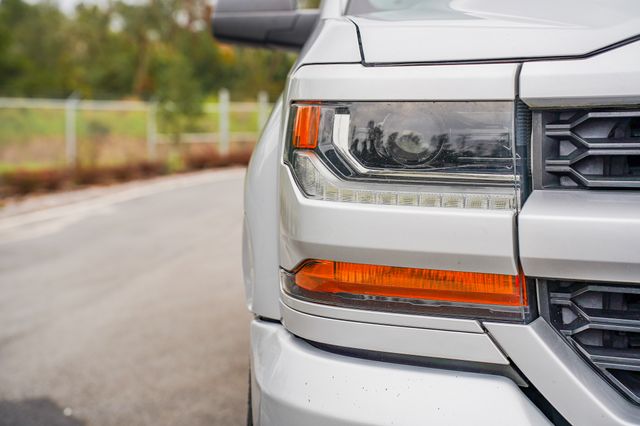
(479, 30)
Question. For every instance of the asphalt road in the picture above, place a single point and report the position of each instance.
(126, 308)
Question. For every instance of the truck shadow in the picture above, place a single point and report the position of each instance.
(35, 412)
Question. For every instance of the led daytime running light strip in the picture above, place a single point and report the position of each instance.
(317, 182)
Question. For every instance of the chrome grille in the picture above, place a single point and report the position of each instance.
(587, 149)
(601, 321)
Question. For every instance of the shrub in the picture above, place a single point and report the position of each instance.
(152, 168)
(122, 173)
(240, 158)
(203, 159)
(22, 182)
(88, 176)
(210, 158)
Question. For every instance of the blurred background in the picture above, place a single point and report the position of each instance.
(107, 90)
(124, 132)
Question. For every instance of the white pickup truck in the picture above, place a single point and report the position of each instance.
(442, 215)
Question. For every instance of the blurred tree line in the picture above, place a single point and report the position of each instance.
(162, 49)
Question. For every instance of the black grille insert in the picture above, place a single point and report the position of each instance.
(588, 149)
(602, 321)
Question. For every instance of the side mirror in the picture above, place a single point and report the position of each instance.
(263, 23)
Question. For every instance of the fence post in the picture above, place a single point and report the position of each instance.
(263, 109)
(223, 124)
(152, 129)
(71, 149)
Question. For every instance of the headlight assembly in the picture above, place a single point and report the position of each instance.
(460, 155)
(429, 154)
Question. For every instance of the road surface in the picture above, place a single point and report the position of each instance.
(126, 308)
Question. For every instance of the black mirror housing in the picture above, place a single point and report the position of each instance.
(263, 23)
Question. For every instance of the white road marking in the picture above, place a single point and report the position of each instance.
(51, 220)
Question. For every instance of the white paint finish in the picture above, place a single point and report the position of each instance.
(609, 78)
(260, 237)
(373, 317)
(420, 237)
(473, 347)
(561, 375)
(296, 384)
(584, 235)
(333, 40)
(332, 8)
(449, 30)
(447, 82)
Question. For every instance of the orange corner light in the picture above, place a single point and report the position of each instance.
(327, 276)
(306, 126)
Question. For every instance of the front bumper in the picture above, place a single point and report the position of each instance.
(294, 383)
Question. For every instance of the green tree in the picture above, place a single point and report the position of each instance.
(104, 59)
(39, 49)
(122, 50)
(177, 91)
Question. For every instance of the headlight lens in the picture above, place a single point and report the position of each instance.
(430, 154)
(443, 136)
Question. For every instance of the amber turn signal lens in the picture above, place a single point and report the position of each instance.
(306, 126)
(327, 276)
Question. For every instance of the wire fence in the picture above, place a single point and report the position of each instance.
(64, 132)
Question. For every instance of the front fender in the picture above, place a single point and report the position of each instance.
(260, 232)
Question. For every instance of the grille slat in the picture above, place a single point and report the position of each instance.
(628, 358)
(606, 317)
(583, 149)
(602, 321)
